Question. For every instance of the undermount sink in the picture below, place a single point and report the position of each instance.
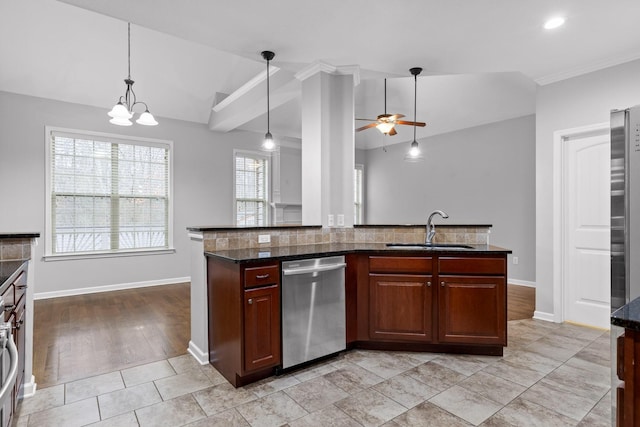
(427, 246)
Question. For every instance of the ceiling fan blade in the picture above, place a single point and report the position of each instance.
(396, 116)
(404, 122)
(370, 125)
(392, 131)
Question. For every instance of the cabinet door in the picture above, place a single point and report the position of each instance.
(400, 307)
(261, 327)
(472, 310)
(19, 337)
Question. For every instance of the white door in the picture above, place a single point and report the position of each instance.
(587, 271)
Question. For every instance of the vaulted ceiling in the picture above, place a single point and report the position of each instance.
(482, 59)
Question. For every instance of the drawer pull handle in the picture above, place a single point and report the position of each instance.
(21, 287)
(442, 284)
(250, 301)
(428, 283)
(262, 276)
(9, 307)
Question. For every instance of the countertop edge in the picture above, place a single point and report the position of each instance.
(422, 225)
(250, 228)
(19, 235)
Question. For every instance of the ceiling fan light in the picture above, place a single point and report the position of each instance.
(119, 111)
(146, 119)
(120, 121)
(268, 144)
(555, 22)
(385, 127)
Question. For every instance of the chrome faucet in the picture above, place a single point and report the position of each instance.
(431, 229)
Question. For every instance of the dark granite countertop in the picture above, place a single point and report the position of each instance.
(9, 271)
(441, 224)
(334, 249)
(628, 316)
(248, 228)
(19, 235)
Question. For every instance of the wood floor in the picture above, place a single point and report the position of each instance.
(82, 336)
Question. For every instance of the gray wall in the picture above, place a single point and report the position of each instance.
(579, 101)
(202, 187)
(480, 175)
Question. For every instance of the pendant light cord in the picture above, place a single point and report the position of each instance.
(268, 117)
(129, 47)
(415, 103)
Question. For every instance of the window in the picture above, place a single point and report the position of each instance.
(107, 193)
(251, 178)
(358, 190)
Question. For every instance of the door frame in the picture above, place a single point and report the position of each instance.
(561, 137)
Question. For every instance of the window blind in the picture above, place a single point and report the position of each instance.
(108, 195)
(250, 189)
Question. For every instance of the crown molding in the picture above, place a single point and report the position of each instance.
(319, 66)
(578, 71)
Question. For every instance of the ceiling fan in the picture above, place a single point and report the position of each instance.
(386, 123)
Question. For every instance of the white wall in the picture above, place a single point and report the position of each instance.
(202, 187)
(571, 103)
(479, 175)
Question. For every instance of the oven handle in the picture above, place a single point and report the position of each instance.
(314, 269)
(7, 342)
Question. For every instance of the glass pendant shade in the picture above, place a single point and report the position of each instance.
(119, 111)
(268, 144)
(414, 154)
(121, 121)
(385, 127)
(146, 119)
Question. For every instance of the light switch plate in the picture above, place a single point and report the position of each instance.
(264, 238)
(340, 220)
(330, 220)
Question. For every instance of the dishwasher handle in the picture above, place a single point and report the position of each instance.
(6, 342)
(314, 269)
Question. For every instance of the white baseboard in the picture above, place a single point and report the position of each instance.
(30, 387)
(521, 282)
(199, 355)
(541, 315)
(108, 288)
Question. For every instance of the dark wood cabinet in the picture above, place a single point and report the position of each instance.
(261, 327)
(400, 307)
(628, 371)
(472, 309)
(244, 319)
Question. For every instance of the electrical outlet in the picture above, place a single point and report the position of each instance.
(515, 260)
(264, 238)
(330, 220)
(340, 220)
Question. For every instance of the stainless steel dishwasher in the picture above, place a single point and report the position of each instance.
(313, 309)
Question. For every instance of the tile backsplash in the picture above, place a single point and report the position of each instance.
(241, 239)
(15, 249)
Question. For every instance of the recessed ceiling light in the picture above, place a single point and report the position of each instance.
(554, 22)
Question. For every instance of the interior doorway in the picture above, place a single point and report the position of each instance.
(585, 227)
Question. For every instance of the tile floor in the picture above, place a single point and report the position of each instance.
(550, 375)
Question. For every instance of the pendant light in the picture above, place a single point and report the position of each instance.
(268, 144)
(414, 154)
(122, 112)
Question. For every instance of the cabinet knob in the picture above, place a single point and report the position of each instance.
(442, 284)
(250, 301)
(428, 283)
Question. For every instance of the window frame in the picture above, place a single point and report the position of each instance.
(267, 183)
(49, 255)
(356, 221)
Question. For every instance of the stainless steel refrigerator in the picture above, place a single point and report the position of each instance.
(625, 206)
(625, 221)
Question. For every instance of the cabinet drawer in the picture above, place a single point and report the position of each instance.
(400, 264)
(471, 265)
(260, 276)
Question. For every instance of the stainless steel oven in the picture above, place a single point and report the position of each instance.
(8, 368)
(313, 309)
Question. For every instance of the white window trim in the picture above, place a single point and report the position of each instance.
(267, 158)
(48, 253)
(360, 167)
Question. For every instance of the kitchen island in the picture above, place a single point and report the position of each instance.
(627, 364)
(441, 299)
